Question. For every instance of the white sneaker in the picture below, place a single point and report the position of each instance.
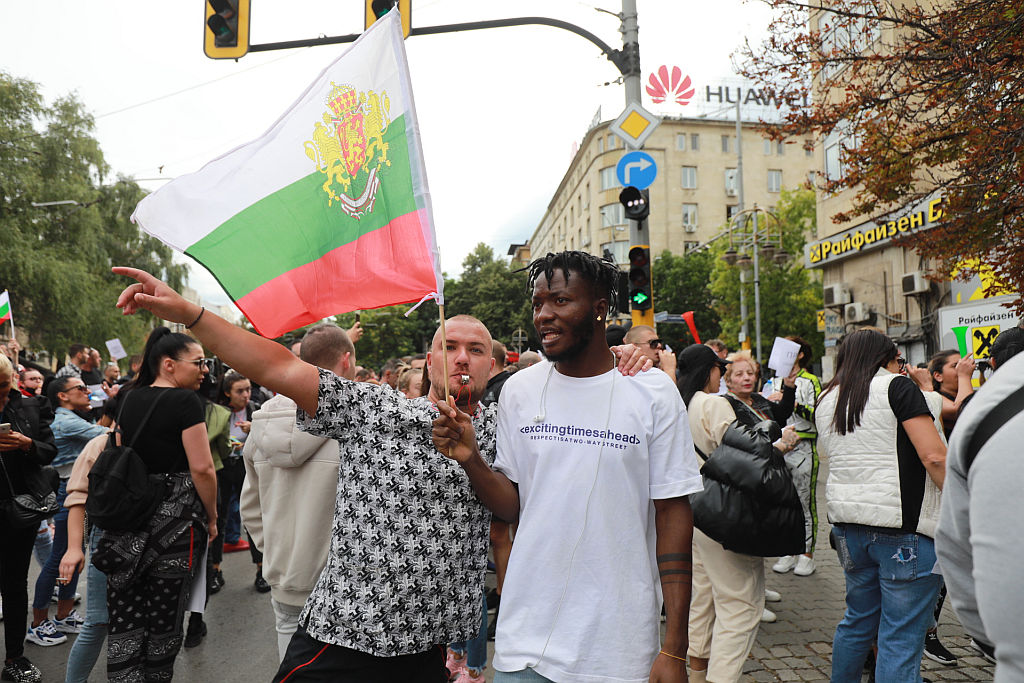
(772, 596)
(72, 623)
(768, 616)
(804, 566)
(784, 564)
(45, 635)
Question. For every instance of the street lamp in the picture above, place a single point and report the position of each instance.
(759, 240)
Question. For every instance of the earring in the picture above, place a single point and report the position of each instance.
(598, 318)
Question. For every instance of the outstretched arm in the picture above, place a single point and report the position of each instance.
(455, 437)
(259, 359)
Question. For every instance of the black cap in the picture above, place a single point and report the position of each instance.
(699, 355)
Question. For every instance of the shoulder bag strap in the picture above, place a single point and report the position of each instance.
(7, 477)
(145, 419)
(1007, 409)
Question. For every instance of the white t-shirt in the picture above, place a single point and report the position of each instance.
(582, 598)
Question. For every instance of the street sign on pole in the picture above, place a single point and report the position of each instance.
(666, 317)
(634, 125)
(637, 169)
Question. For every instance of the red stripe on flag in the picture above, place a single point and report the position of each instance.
(391, 265)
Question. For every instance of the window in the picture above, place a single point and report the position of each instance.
(730, 182)
(837, 144)
(612, 215)
(690, 217)
(767, 147)
(690, 245)
(689, 177)
(780, 148)
(808, 148)
(611, 142)
(608, 178)
(730, 211)
(725, 144)
(694, 141)
(845, 36)
(618, 250)
(774, 180)
(681, 142)
(811, 177)
(600, 145)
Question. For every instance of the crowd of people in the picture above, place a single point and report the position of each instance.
(370, 500)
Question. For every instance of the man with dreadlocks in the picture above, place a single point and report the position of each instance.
(596, 468)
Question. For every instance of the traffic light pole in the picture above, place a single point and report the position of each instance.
(630, 69)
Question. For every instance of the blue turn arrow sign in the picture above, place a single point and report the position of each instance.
(637, 169)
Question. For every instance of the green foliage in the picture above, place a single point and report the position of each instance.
(681, 284)
(56, 260)
(491, 291)
(790, 295)
(388, 333)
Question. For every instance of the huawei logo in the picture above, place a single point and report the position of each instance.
(663, 86)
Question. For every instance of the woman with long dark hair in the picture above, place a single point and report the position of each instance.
(26, 444)
(886, 468)
(147, 598)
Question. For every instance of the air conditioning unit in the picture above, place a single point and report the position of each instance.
(856, 312)
(730, 192)
(837, 295)
(690, 228)
(915, 283)
(586, 241)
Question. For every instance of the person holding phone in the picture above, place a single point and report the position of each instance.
(26, 444)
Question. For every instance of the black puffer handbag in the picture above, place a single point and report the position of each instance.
(749, 503)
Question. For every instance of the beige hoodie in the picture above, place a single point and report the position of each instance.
(287, 501)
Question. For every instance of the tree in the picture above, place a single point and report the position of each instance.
(790, 296)
(681, 284)
(491, 291)
(56, 260)
(930, 94)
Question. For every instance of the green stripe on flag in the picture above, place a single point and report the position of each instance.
(295, 225)
(5, 310)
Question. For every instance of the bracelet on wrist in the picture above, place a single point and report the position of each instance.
(202, 309)
(669, 654)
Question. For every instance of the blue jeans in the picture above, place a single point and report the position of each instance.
(476, 658)
(51, 570)
(89, 643)
(890, 595)
(44, 543)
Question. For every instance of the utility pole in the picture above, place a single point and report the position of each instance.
(744, 314)
(639, 234)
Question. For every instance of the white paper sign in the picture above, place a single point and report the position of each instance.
(197, 597)
(784, 353)
(115, 349)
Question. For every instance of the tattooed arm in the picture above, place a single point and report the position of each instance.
(674, 525)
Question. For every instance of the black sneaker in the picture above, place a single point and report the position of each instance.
(261, 584)
(984, 649)
(936, 651)
(216, 581)
(196, 630)
(20, 670)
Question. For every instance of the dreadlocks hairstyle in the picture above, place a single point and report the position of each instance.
(602, 275)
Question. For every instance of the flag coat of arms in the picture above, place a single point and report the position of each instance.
(5, 307)
(328, 211)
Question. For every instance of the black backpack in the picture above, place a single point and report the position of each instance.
(123, 495)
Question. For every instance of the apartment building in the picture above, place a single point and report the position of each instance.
(693, 196)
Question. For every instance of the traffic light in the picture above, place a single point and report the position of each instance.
(637, 203)
(226, 33)
(375, 9)
(640, 277)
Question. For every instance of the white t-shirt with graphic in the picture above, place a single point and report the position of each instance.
(582, 598)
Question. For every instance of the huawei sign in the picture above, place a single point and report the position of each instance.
(665, 85)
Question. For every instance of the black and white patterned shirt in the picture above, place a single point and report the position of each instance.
(409, 542)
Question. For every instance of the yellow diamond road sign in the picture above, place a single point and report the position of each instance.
(634, 125)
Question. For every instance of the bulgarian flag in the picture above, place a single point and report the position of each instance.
(328, 211)
(5, 307)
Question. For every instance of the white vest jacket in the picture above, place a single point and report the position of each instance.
(863, 484)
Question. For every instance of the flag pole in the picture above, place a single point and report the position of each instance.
(444, 351)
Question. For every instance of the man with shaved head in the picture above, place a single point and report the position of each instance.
(408, 546)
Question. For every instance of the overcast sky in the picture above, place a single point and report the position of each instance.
(499, 109)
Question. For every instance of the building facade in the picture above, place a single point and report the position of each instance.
(695, 192)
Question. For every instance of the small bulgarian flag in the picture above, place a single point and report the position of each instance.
(328, 211)
(5, 306)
